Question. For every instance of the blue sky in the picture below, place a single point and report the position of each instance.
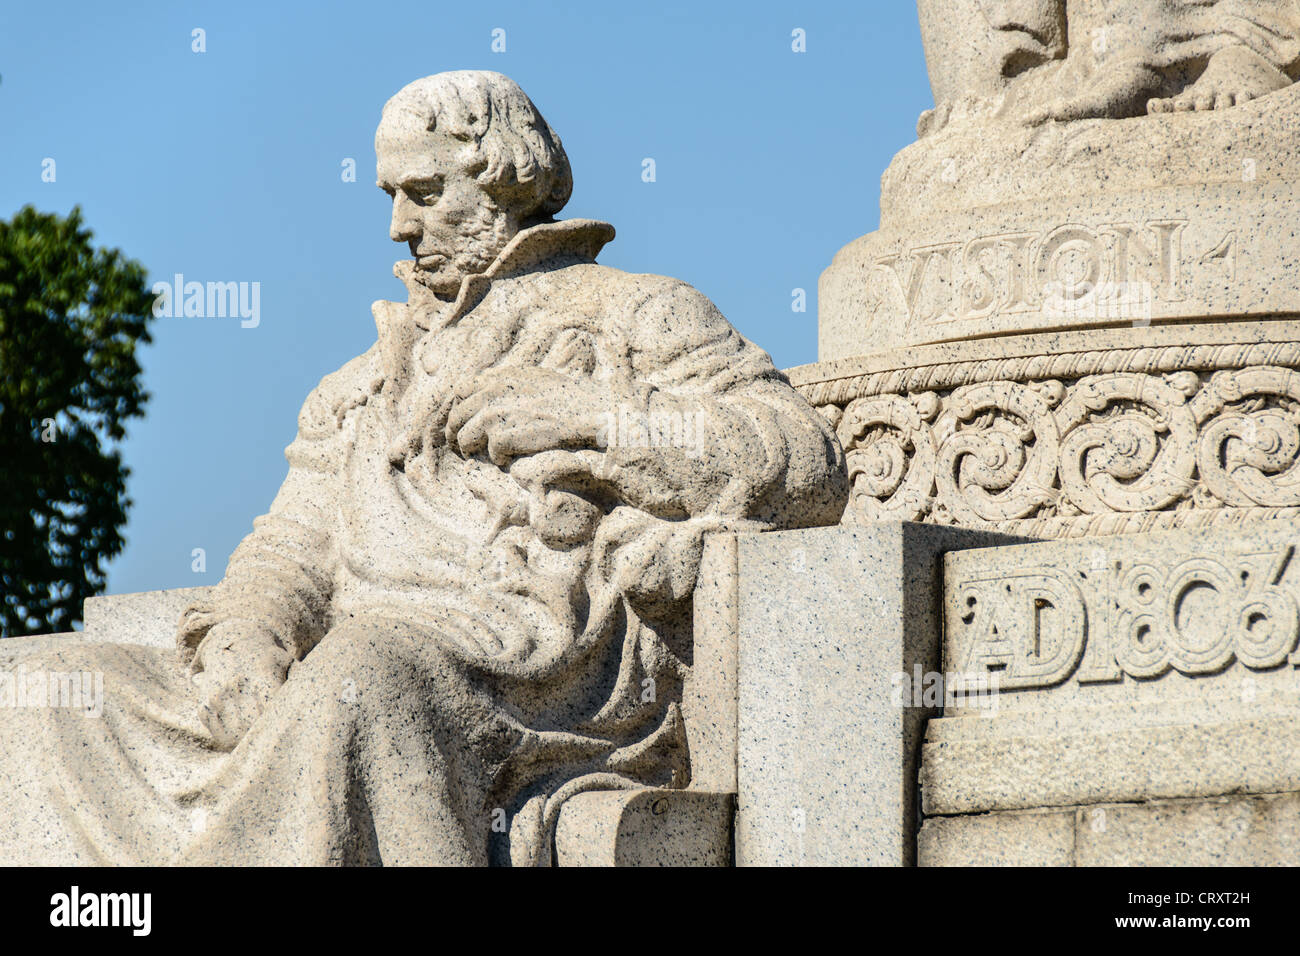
(226, 165)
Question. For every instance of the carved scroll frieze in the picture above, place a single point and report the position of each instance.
(1127, 449)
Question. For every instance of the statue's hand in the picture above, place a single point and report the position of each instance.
(238, 666)
(514, 412)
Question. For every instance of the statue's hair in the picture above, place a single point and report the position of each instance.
(525, 166)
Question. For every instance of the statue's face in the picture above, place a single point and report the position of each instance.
(452, 225)
(1034, 31)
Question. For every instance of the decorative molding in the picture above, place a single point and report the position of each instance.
(1075, 443)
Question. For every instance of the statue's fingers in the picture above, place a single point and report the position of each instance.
(237, 711)
(262, 687)
(505, 444)
(528, 437)
(547, 466)
(475, 434)
(245, 711)
(468, 385)
(198, 663)
(464, 410)
(212, 716)
(492, 381)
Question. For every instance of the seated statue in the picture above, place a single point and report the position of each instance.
(1064, 60)
(471, 598)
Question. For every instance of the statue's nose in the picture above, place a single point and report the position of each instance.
(405, 225)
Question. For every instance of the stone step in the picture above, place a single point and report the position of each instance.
(143, 617)
(646, 827)
(13, 649)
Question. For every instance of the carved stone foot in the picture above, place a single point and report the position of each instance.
(1234, 75)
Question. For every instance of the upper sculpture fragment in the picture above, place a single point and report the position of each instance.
(1036, 61)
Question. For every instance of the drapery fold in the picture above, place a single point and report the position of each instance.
(474, 641)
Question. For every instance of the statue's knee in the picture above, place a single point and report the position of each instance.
(353, 662)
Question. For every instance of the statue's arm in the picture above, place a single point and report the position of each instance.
(279, 579)
(747, 445)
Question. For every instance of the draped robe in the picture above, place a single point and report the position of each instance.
(474, 643)
(1174, 32)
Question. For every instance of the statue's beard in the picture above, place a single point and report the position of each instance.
(479, 241)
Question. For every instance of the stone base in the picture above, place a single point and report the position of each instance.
(645, 828)
(1235, 830)
(1146, 705)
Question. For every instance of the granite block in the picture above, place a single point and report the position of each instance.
(833, 622)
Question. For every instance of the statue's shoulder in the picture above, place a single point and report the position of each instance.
(665, 313)
(670, 329)
(322, 414)
(634, 297)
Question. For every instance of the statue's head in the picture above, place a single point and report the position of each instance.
(468, 161)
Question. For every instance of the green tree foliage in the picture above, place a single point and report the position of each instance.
(70, 319)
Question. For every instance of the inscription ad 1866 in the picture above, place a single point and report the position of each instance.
(1133, 617)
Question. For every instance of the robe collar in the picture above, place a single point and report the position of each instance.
(527, 251)
(536, 248)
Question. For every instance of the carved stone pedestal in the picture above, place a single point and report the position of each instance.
(1144, 682)
(1081, 323)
